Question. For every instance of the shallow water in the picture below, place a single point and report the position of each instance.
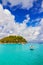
(18, 54)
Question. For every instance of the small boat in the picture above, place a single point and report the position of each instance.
(31, 47)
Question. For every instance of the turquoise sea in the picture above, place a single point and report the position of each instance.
(19, 54)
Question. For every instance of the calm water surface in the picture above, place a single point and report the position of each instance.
(18, 54)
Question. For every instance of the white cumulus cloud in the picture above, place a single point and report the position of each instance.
(8, 26)
(25, 3)
(41, 9)
(42, 4)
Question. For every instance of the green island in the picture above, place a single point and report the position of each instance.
(13, 39)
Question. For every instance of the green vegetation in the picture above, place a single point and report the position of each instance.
(13, 39)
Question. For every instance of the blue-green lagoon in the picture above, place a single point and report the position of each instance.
(19, 54)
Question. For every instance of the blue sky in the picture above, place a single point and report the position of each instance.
(20, 13)
(27, 12)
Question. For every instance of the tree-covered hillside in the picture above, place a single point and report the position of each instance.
(13, 39)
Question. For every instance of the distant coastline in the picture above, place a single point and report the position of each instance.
(13, 39)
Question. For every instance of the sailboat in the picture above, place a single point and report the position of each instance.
(31, 47)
